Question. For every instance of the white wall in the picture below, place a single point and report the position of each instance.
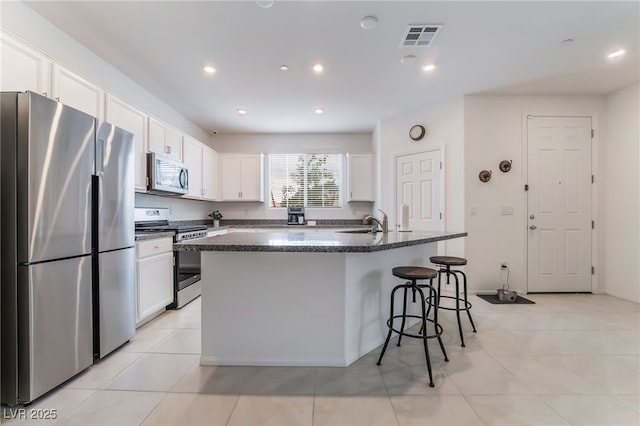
(494, 132)
(622, 195)
(445, 128)
(20, 21)
(293, 143)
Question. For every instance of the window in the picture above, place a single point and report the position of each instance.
(305, 180)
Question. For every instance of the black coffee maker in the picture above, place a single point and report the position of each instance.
(295, 216)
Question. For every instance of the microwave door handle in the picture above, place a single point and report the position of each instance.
(183, 178)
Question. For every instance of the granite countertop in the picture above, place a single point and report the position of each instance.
(317, 240)
(152, 235)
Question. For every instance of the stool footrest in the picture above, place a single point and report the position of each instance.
(466, 307)
(416, 336)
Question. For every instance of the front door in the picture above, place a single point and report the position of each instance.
(559, 204)
(419, 184)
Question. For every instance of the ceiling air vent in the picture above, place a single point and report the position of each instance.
(420, 35)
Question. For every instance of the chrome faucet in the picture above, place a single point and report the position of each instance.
(384, 224)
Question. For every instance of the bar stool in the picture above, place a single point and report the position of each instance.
(412, 274)
(444, 264)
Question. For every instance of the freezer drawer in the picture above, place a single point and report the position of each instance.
(54, 324)
(116, 300)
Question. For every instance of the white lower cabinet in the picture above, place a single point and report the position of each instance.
(154, 277)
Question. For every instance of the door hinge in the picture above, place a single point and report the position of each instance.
(441, 215)
(593, 224)
(593, 179)
(146, 180)
(526, 187)
(441, 165)
(593, 270)
(593, 133)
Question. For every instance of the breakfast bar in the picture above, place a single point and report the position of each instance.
(308, 297)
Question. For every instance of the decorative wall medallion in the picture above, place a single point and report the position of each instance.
(505, 165)
(485, 176)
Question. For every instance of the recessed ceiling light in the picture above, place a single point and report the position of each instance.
(616, 54)
(319, 110)
(242, 111)
(429, 67)
(264, 4)
(318, 68)
(369, 22)
(409, 59)
(284, 67)
(209, 69)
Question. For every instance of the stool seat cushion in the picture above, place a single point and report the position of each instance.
(448, 260)
(414, 272)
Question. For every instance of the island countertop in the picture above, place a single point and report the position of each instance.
(319, 241)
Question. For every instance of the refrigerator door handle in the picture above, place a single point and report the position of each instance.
(100, 157)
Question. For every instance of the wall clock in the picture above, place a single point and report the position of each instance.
(417, 132)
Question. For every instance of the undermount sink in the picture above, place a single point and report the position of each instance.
(359, 231)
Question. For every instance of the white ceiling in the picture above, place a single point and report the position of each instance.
(484, 47)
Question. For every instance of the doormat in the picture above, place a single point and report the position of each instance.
(493, 298)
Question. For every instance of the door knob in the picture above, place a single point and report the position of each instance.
(532, 227)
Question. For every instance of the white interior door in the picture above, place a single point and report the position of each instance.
(559, 204)
(419, 182)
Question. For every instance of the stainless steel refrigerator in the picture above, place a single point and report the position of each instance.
(51, 176)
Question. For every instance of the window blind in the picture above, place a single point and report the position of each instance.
(305, 180)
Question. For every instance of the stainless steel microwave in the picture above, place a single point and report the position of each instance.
(166, 176)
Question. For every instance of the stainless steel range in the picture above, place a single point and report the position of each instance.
(187, 267)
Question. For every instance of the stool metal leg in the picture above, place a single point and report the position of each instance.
(464, 284)
(390, 324)
(435, 319)
(404, 313)
(458, 308)
(424, 338)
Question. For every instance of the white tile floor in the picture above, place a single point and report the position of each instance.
(568, 359)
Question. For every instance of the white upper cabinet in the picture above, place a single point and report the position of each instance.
(23, 68)
(210, 169)
(242, 177)
(121, 114)
(165, 140)
(361, 178)
(202, 163)
(192, 158)
(76, 92)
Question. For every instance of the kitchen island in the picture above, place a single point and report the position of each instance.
(308, 297)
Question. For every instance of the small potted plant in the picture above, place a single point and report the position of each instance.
(216, 216)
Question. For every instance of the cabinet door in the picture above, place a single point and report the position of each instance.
(230, 175)
(209, 174)
(361, 177)
(173, 144)
(156, 136)
(192, 158)
(155, 284)
(128, 118)
(22, 68)
(252, 177)
(76, 92)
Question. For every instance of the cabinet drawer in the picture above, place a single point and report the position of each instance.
(153, 247)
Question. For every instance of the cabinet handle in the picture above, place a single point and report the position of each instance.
(58, 99)
(168, 150)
